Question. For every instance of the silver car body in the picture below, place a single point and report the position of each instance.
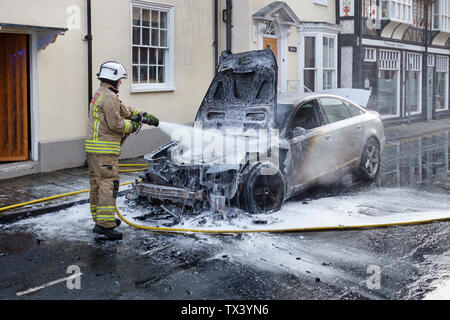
(244, 95)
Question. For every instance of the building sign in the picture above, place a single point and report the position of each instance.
(347, 8)
(292, 49)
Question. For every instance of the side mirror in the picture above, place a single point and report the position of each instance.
(298, 131)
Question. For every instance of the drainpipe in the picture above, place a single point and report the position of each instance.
(428, 108)
(216, 35)
(229, 9)
(88, 38)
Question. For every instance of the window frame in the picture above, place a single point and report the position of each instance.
(333, 68)
(319, 56)
(314, 69)
(442, 66)
(413, 60)
(396, 9)
(168, 85)
(391, 64)
(344, 103)
(442, 7)
(318, 107)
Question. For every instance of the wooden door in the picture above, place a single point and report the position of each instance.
(272, 44)
(13, 97)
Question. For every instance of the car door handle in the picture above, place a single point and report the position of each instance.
(327, 137)
(358, 127)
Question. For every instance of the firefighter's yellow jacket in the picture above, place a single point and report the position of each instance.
(108, 122)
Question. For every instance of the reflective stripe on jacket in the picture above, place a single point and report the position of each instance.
(108, 122)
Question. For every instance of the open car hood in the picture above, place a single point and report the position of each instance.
(243, 92)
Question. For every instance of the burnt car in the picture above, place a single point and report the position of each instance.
(315, 138)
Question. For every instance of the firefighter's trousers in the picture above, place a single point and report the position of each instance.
(104, 180)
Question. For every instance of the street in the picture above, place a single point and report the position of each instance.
(407, 262)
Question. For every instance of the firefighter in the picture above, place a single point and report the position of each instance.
(110, 122)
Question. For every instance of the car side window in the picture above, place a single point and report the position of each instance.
(335, 109)
(307, 117)
(354, 110)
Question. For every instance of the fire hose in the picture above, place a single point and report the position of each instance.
(181, 230)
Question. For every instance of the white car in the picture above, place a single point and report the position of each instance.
(321, 136)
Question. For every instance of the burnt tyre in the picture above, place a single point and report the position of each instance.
(370, 160)
(264, 190)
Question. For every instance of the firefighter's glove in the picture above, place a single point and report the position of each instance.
(150, 119)
(136, 125)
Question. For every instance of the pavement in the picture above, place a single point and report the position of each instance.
(44, 185)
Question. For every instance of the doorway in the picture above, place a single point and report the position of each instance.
(14, 133)
(272, 43)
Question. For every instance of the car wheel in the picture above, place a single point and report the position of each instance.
(370, 160)
(264, 190)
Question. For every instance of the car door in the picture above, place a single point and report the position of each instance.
(307, 145)
(343, 131)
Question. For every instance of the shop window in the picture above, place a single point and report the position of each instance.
(413, 85)
(442, 79)
(384, 81)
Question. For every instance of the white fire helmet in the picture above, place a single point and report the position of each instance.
(112, 70)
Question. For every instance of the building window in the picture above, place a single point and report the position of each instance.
(370, 55)
(397, 10)
(430, 61)
(389, 83)
(442, 79)
(413, 85)
(329, 65)
(319, 61)
(382, 78)
(309, 73)
(441, 15)
(152, 49)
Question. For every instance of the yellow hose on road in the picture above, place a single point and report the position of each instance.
(316, 229)
(181, 230)
(18, 205)
(75, 192)
(132, 170)
(133, 165)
